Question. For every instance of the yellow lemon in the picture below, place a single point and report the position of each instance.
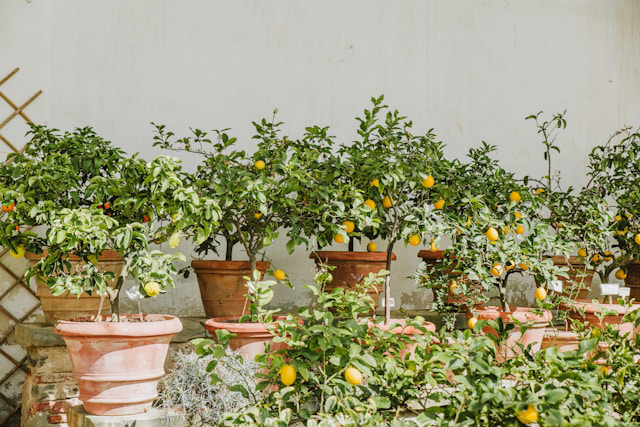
(509, 265)
(433, 247)
(353, 376)
(515, 196)
(506, 229)
(471, 323)
(540, 294)
(529, 415)
(428, 182)
(349, 225)
(414, 240)
(452, 286)
(375, 183)
(618, 218)
(19, 253)
(386, 202)
(496, 270)
(371, 247)
(492, 234)
(174, 240)
(517, 214)
(279, 274)
(523, 266)
(339, 238)
(440, 204)
(595, 258)
(370, 203)
(621, 275)
(152, 289)
(260, 164)
(287, 375)
(582, 252)
(257, 215)
(539, 190)
(596, 332)
(520, 229)
(637, 239)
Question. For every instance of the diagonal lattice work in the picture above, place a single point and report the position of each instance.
(18, 302)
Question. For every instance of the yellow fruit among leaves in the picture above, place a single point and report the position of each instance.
(517, 214)
(529, 415)
(279, 274)
(496, 270)
(257, 215)
(621, 275)
(375, 183)
(353, 376)
(414, 240)
(440, 204)
(371, 247)
(582, 252)
(540, 294)
(260, 164)
(637, 239)
(287, 375)
(386, 202)
(428, 182)
(339, 238)
(520, 229)
(152, 289)
(349, 225)
(19, 252)
(515, 196)
(452, 286)
(523, 266)
(471, 323)
(370, 203)
(492, 234)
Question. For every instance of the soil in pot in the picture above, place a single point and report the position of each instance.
(118, 364)
(590, 315)
(71, 306)
(578, 284)
(222, 285)
(533, 335)
(250, 338)
(352, 267)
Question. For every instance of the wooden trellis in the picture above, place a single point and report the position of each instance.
(11, 271)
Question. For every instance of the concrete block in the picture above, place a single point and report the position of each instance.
(76, 417)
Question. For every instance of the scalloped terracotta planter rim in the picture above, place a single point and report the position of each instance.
(402, 328)
(572, 261)
(428, 255)
(351, 256)
(118, 364)
(522, 314)
(250, 337)
(206, 264)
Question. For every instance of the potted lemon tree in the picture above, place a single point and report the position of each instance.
(402, 176)
(118, 359)
(258, 196)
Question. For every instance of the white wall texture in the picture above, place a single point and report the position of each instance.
(471, 69)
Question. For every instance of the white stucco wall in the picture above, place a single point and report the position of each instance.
(471, 69)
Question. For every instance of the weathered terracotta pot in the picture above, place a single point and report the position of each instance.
(633, 279)
(222, 285)
(250, 338)
(590, 310)
(352, 267)
(562, 339)
(578, 284)
(410, 348)
(70, 306)
(534, 335)
(118, 364)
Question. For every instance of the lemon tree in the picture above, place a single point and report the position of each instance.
(403, 178)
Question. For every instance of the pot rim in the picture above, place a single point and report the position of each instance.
(107, 255)
(216, 264)
(158, 325)
(427, 254)
(402, 328)
(216, 323)
(522, 314)
(351, 256)
(591, 308)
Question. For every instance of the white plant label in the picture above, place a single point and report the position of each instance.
(556, 286)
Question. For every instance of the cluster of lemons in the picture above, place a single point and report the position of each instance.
(288, 375)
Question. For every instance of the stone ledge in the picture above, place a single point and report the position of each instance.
(77, 417)
(41, 335)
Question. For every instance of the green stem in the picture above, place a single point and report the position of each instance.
(115, 302)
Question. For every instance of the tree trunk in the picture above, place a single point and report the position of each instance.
(115, 302)
(387, 284)
(502, 293)
(229, 252)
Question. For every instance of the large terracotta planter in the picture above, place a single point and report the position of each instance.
(250, 338)
(590, 310)
(578, 284)
(352, 267)
(534, 335)
(562, 339)
(70, 306)
(222, 285)
(633, 279)
(402, 329)
(118, 364)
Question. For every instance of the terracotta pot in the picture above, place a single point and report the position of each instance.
(590, 316)
(118, 364)
(70, 306)
(409, 348)
(534, 335)
(578, 284)
(434, 257)
(633, 279)
(562, 339)
(250, 338)
(222, 285)
(352, 267)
